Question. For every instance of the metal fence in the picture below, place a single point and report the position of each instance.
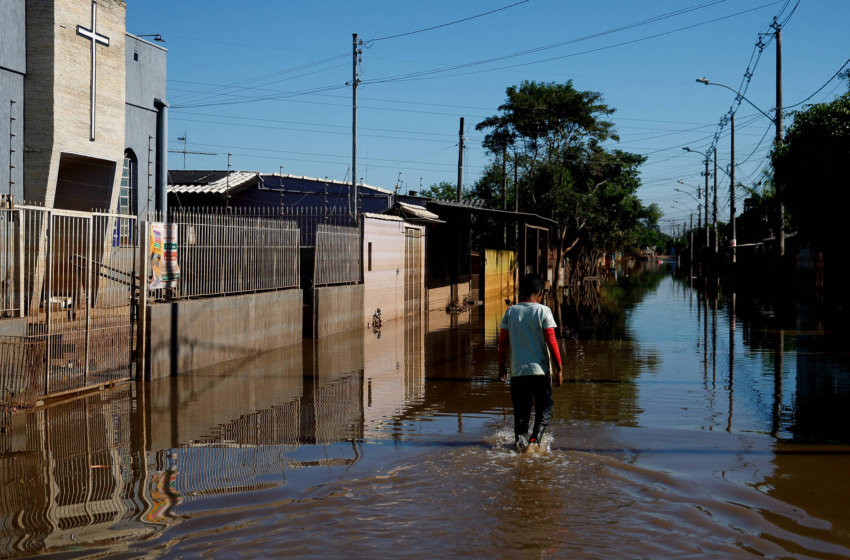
(234, 251)
(10, 265)
(309, 219)
(21, 367)
(337, 255)
(80, 278)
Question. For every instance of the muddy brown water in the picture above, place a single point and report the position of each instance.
(691, 423)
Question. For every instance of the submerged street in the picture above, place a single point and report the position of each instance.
(690, 423)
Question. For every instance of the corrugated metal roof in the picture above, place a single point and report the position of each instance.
(385, 217)
(330, 182)
(418, 211)
(210, 182)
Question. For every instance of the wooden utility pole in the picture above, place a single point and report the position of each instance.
(460, 163)
(779, 132)
(732, 240)
(707, 243)
(716, 238)
(505, 191)
(355, 81)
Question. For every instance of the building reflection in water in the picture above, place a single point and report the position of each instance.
(121, 465)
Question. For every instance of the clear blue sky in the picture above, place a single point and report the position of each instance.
(411, 126)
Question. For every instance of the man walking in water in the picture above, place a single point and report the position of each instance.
(528, 328)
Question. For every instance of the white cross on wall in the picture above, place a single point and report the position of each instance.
(95, 38)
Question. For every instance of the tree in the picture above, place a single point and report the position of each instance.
(441, 191)
(554, 133)
(811, 166)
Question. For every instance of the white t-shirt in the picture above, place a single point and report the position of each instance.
(525, 323)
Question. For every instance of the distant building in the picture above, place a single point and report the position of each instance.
(256, 190)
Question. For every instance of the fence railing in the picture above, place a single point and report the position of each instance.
(10, 263)
(309, 218)
(337, 255)
(234, 251)
(21, 374)
(80, 279)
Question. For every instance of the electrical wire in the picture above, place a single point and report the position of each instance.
(447, 24)
(843, 66)
(263, 77)
(428, 74)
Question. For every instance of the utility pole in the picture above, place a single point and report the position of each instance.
(715, 201)
(733, 241)
(280, 192)
(779, 131)
(699, 212)
(185, 146)
(356, 52)
(227, 192)
(505, 192)
(706, 202)
(516, 186)
(691, 248)
(460, 163)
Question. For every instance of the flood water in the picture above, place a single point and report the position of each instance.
(691, 422)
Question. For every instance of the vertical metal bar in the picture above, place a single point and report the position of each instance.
(142, 314)
(88, 300)
(47, 289)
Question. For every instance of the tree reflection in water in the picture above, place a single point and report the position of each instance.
(601, 356)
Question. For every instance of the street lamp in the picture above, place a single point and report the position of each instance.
(776, 121)
(156, 37)
(738, 93)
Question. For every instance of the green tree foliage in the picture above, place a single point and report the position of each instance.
(441, 191)
(811, 171)
(554, 134)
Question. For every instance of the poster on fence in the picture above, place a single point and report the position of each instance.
(163, 250)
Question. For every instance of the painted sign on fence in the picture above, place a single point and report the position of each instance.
(163, 251)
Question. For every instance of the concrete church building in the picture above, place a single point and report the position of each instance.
(83, 116)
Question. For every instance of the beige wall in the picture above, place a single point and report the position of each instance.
(57, 90)
(384, 284)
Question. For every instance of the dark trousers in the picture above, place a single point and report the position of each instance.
(524, 390)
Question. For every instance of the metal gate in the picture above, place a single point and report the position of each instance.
(80, 279)
(413, 271)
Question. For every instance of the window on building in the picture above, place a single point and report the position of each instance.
(127, 196)
(370, 257)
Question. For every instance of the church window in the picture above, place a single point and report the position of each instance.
(127, 196)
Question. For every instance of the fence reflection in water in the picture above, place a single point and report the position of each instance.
(122, 465)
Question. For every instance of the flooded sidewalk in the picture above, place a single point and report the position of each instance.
(690, 423)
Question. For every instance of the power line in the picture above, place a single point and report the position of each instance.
(843, 66)
(347, 127)
(428, 74)
(263, 77)
(307, 130)
(447, 24)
